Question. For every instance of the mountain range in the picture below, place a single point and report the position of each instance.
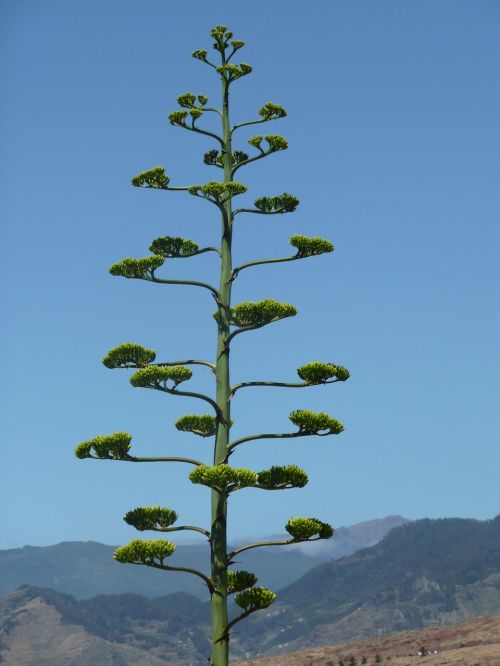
(85, 569)
(421, 574)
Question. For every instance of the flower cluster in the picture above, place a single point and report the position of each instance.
(271, 111)
(214, 158)
(188, 100)
(255, 598)
(141, 269)
(200, 54)
(274, 142)
(144, 552)
(261, 313)
(233, 72)
(157, 377)
(237, 581)
(109, 447)
(154, 178)
(283, 203)
(222, 37)
(150, 518)
(218, 192)
(199, 424)
(223, 477)
(170, 246)
(315, 423)
(319, 373)
(178, 118)
(303, 529)
(278, 478)
(128, 355)
(310, 246)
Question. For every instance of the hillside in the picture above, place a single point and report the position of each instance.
(472, 643)
(42, 628)
(46, 628)
(425, 574)
(85, 569)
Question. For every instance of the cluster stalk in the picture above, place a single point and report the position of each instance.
(218, 539)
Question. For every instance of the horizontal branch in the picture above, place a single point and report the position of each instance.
(237, 387)
(263, 261)
(193, 254)
(230, 625)
(279, 211)
(190, 461)
(252, 438)
(167, 364)
(208, 581)
(259, 544)
(190, 283)
(251, 159)
(180, 528)
(189, 394)
(190, 362)
(244, 329)
(192, 128)
(212, 108)
(249, 122)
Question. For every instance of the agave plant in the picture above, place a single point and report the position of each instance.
(219, 476)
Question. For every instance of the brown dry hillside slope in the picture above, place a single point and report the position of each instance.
(473, 643)
(33, 632)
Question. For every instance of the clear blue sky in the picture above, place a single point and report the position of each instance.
(394, 152)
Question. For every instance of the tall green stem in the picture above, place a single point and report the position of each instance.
(220, 642)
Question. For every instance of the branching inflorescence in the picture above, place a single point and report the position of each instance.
(167, 376)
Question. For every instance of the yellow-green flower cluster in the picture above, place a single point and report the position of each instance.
(144, 552)
(274, 142)
(278, 478)
(173, 246)
(319, 373)
(140, 269)
(261, 312)
(150, 518)
(271, 111)
(310, 246)
(220, 31)
(188, 100)
(178, 118)
(128, 355)
(222, 37)
(155, 178)
(237, 581)
(108, 447)
(156, 376)
(218, 191)
(233, 72)
(214, 158)
(223, 477)
(303, 529)
(199, 424)
(200, 54)
(255, 598)
(283, 203)
(315, 423)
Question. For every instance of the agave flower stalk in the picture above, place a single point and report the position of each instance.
(167, 376)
